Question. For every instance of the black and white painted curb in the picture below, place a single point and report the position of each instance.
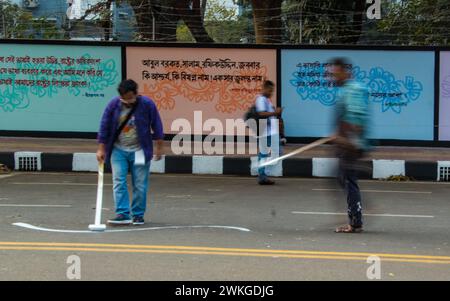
(226, 165)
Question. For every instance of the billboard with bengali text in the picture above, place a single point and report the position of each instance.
(444, 96)
(221, 83)
(56, 87)
(400, 85)
(65, 88)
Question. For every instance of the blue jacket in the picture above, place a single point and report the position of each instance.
(353, 107)
(147, 120)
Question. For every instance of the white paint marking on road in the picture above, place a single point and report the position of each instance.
(218, 177)
(378, 191)
(6, 176)
(28, 226)
(180, 196)
(35, 205)
(365, 214)
(63, 184)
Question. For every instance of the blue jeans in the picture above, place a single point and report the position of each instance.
(121, 163)
(269, 146)
(349, 181)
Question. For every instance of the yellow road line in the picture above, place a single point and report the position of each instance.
(93, 247)
(275, 255)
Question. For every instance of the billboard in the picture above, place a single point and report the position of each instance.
(444, 96)
(400, 85)
(56, 87)
(221, 83)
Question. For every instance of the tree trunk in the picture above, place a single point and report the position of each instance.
(193, 18)
(267, 21)
(349, 32)
(106, 23)
(357, 25)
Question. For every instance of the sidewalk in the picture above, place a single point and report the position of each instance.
(79, 155)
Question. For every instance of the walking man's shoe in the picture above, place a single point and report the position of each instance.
(348, 229)
(266, 182)
(137, 221)
(120, 219)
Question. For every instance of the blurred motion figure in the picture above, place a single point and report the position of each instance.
(352, 119)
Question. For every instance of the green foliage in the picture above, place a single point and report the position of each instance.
(416, 22)
(45, 29)
(183, 34)
(224, 25)
(323, 21)
(19, 23)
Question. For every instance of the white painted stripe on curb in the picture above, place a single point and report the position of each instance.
(324, 167)
(35, 205)
(85, 162)
(271, 170)
(385, 168)
(443, 175)
(62, 184)
(212, 165)
(158, 166)
(376, 191)
(18, 155)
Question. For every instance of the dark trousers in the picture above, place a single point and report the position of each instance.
(348, 179)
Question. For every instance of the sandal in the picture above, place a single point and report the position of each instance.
(348, 229)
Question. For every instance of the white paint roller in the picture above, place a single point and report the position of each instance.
(97, 226)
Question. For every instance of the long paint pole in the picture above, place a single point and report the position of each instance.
(97, 226)
(297, 151)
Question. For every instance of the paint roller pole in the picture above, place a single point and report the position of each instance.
(297, 151)
(97, 226)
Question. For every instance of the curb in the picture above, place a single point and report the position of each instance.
(222, 165)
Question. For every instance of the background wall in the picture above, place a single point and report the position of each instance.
(48, 88)
(222, 83)
(400, 84)
(444, 96)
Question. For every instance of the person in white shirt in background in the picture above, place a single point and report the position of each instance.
(269, 137)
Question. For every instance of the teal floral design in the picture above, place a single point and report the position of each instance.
(15, 97)
(312, 84)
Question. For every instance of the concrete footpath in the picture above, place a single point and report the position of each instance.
(67, 155)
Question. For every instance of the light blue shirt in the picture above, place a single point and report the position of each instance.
(353, 107)
(263, 104)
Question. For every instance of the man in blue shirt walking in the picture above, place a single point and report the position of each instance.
(128, 127)
(352, 116)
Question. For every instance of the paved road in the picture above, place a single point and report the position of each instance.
(284, 232)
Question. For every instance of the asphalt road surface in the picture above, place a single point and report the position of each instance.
(223, 228)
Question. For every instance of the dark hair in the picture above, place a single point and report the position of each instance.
(268, 84)
(126, 86)
(342, 63)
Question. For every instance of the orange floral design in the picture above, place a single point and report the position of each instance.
(230, 96)
(241, 95)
